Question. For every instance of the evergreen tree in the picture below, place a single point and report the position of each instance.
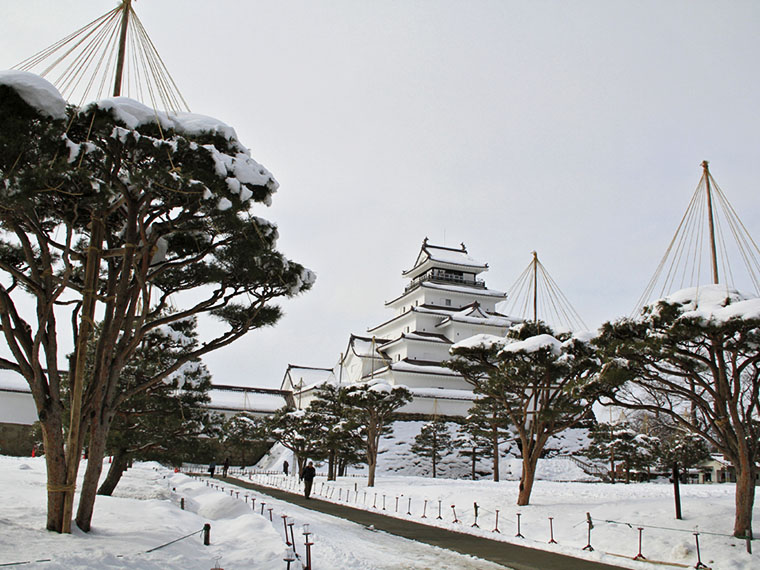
(693, 358)
(300, 431)
(677, 451)
(342, 441)
(620, 443)
(120, 214)
(373, 405)
(166, 421)
(244, 438)
(544, 384)
(487, 428)
(433, 441)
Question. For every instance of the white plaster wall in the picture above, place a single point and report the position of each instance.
(457, 331)
(432, 351)
(438, 298)
(437, 406)
(17, 408)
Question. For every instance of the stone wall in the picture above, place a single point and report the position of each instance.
(16, 439)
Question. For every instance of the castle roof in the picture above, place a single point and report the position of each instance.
(474, 314)
(420, 337)
(243, 399)
(310, 376)
(444, 257)
(362, 346)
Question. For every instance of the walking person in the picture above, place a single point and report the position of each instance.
(307, 475)
(226, 467)
(212, 468)
(285, 466)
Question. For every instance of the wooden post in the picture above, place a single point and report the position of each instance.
(86, 325)
(126, 7)
(535, 290)
(206, 534)
(711, 223)
(676, 489)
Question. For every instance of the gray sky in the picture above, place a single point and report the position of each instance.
(572, 128)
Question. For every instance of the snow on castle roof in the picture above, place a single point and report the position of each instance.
(473, 314)
(447, 256)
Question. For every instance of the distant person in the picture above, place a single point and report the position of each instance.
(225, 467)
(285, 466)
(212, 468)
(307, 475)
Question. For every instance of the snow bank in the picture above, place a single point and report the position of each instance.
(143, 514)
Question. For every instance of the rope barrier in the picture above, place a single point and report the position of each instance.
(20, 563)
(173, 541)
(636, 525)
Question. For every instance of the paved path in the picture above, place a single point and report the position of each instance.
(510, 555)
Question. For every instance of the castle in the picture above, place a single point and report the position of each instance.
(443, 303)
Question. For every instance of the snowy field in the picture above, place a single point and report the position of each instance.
(617, 512)
(145, 514)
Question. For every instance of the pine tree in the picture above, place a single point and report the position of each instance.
(620, 443)
(165, 422)
(243, 438)
(693, 358)
(342, 442)
(433, 441)
(487, 427)
(300, 431)
(121, 214)
(373, 405)
(544, 384)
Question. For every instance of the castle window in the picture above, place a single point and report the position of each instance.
(448, 302)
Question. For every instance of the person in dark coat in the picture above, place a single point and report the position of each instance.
(212, 468)
(226, 467)
(307, 475)
(285, 466)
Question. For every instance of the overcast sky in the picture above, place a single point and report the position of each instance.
(575, 129)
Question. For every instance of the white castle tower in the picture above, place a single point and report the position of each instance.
(444, 302)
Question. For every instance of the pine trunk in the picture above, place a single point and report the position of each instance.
(435, 452)
(473, 463)
(55, 462)
(115, 471)
(95, 455)
(371, 464)
(373, 443)
(331, 466)
(495, 447)
(745, 497)
(526, 479)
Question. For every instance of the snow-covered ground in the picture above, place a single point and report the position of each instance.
(145, 513)
(617, 512)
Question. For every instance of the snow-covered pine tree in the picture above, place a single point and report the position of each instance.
(300, 431)
(433, 441)
(115, 209)
(621, 444)
(694, 358)
(544, 383)
(342, 441)
(485, 428)
(373, 405)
